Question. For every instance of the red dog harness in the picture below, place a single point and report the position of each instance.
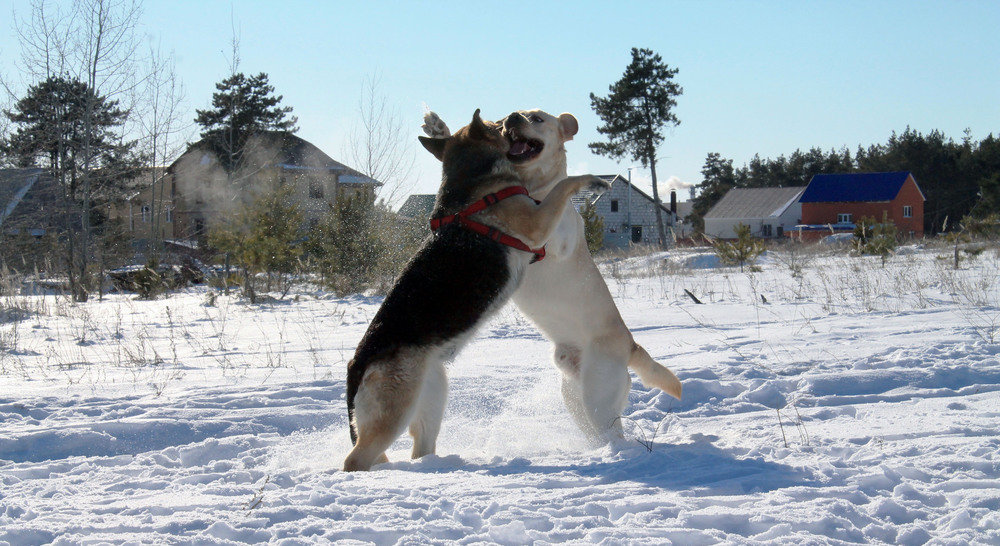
(462, 219)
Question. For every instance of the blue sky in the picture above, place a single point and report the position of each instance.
(758, 77)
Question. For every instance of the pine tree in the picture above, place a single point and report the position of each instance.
(65, 126)
(637, 109)
(742, 251)
(262, 238)
(593, 227)
(242, 107)
(718, 178)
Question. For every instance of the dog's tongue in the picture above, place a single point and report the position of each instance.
(519, 148)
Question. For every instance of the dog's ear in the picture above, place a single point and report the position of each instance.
(568, 126)
(435, 146)
(477, 129)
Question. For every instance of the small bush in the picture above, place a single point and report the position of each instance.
(148, 282)
(262, 238)
(744, 250)
(593, 228)
(361, 245)
(875, 239)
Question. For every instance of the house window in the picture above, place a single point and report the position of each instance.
(170, 215)
(844, 218)
(636, 234)
(907, 211)
(765, 230)
(146, 213)
(315, 189)
(614, 205)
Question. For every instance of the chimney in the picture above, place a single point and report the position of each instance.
(673, 202)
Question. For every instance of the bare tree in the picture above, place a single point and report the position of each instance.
(160, 123)
(106, 41)
(93, 43)
(379, 145)
(45, 38)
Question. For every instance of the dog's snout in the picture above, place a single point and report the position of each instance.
(513, 120)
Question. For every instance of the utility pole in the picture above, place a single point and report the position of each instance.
(628, 203)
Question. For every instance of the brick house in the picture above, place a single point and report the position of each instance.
(834, 202)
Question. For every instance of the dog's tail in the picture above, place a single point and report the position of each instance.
(652, 373)
(354, 375)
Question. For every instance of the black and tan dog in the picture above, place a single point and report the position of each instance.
(457, 280)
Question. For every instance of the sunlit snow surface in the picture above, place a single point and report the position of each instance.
(176, 422)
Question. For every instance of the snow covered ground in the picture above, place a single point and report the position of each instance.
(827, 400)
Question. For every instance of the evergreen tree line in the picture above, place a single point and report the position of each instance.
(958, 179)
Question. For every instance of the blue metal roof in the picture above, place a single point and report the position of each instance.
(845, 188)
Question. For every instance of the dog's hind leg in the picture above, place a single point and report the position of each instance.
(572, 393)
(605, 384)
(384, 405)
(567, 359)
(430, 410)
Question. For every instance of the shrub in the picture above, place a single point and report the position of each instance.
(148, 282)
(875, 239)
(361, 245)
(743, 250)
(262, 238)
(593, 227)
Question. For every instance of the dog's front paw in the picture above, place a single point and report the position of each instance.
(597, 186)
(434, 126)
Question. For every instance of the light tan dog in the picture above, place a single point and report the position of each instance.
(565, 295)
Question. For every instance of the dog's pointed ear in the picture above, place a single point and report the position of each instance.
(435, 146)
(477, 129)
(568, 126)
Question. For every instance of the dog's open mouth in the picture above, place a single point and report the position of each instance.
(522, 150)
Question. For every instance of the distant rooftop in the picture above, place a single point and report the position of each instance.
(291, 152)
(855, 187)
(14, 184)
(418, 206)
(754, 202)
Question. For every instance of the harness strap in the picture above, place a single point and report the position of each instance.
(462, 219)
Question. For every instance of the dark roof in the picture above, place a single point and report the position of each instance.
(418, 206)
(14, 185)
(741, 203)
(857, 187)
(293, 153)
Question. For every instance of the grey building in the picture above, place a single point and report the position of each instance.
(770, 212)
(629, 214)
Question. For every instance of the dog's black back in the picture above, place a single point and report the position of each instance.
(447, 287)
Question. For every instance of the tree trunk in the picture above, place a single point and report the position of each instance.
(661, 232)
